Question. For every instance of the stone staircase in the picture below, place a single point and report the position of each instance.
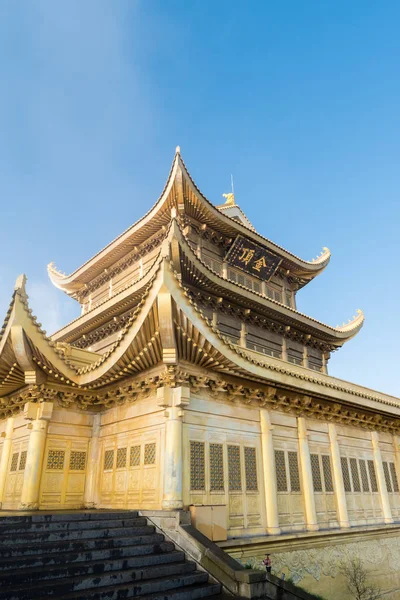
(94, 555)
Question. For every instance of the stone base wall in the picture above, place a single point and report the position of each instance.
(314, 561)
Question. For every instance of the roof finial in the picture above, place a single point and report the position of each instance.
(178, 150)
(230, 198)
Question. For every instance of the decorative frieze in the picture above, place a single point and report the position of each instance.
(120, 266)
(116, 324)
(248, 316)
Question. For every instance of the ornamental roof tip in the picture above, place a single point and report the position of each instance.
(355, 322)
(324, 255)
(20, 283)
(52, 270)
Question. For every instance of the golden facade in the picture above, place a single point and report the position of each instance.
(191, 378)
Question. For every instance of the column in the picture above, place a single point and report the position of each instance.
(270, 487)
(225, 270)
(264, 289)
(305, 357)
(342, 514)
(174, 399)
(90, 497)
(325, 357)
(35, 455)
(243, 334)
(380, 476)
(306, 476)
(284, 349)
(396, 445)
(5, 456)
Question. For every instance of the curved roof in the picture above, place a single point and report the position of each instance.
(180, 191)
(196, 269)
(140, 347)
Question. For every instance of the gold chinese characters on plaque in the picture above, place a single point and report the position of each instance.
(252, 258)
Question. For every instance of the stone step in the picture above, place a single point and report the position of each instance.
(20, 576)
(144, 581)
(9, 551)
(43, 526)
(66, 558)
(188, 592)
(7, 539)
(57, 516)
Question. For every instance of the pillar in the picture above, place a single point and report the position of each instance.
(174, 400)
(342, 513)
(305, 357)
(35, 455)
(306, 476)
(396, 445)
(380, 476)
(225, 269)
(243, 335)
(90, 497)
(270, 487)
(284, 349)
(325, 357)
(5, 456)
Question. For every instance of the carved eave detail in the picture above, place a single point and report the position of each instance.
(218, 387)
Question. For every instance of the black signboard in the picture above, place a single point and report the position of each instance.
(252, 258)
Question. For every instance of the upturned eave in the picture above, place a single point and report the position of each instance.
(180, 191)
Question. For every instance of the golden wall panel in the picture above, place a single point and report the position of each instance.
(132, 478)
(64, 472)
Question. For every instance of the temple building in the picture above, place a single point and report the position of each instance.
(191, 379)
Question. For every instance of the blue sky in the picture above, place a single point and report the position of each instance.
(299, 100)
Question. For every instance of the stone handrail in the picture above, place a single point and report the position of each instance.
(234, 577)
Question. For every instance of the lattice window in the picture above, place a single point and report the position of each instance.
(108, 460)
(197, 466)
(14, 461)
(327, 471)
(280, 469)
(354, 475)
(150, 454)
(387, 476)
(394, 477)
(294, 475)
(372, 476)
(121, 458)
(22, 460)
(234, 474)
(134, 460)
(364, 476)
(216, 468)
(316, 472)
(77, 461)
(345, 474)
(55, 460)
(250, 465)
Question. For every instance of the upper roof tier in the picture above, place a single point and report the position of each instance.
(181, 192)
